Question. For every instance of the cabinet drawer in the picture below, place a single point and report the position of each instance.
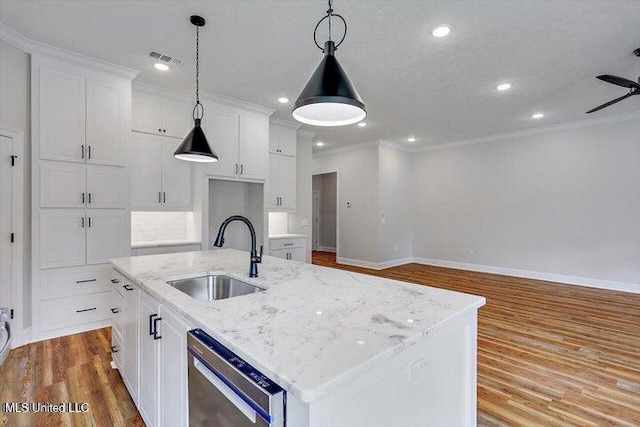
(62, 282)
(117, 306)
(298, 242)
(74, 310)
(116, 347)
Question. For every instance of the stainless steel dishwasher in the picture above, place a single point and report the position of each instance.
(225, 391)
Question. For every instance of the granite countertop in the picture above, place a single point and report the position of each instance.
(159, 243)
(287, 236)
(314, 327)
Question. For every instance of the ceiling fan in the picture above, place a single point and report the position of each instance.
(634, 87)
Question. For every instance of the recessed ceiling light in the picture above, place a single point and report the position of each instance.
(160, 66)
(411, 139)
(360, 342)
(318, 313)
(319, 144)
(537, 116)
(504, 86)
(283, 100)
(362, 124)
(410, 320)
(441, 31)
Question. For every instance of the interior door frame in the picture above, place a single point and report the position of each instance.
(337, 172)
(315, 244)
(17, 224)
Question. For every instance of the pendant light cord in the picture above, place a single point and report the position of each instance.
(328, 18)
(195, 109)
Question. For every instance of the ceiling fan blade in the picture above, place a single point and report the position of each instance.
(620, 81)
(609, 103)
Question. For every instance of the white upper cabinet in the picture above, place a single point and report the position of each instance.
(152, 114)
(82, 116)
(108, 111)
(62, 115)
(62, 184)
(220, 126)
(158, 180)
(282, 141)
(106, 187)
(282, 183)
(253, 153)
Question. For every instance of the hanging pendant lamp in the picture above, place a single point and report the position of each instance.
(329, 98)
(195, 147)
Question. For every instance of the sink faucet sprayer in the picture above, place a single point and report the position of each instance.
(255, 258)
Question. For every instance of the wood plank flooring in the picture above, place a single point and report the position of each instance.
(548, 355)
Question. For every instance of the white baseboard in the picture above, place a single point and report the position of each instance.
(528, 274)
(20, 338)
(326, 249)
(374, 265)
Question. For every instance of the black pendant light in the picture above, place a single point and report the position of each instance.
(195, 147)
(329, 98)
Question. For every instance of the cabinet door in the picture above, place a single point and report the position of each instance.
(173, 404)
(176, 177)
(145, 161)
(274, 139)
(62, 115)
(220, 126)
(254, 146)
(108, 100)
(177, 119)
(106, 235)
(149, 349)
(146, 113)
(131, 339)
(106, 187)
(288, 142)
(287, 182)
(298, 254)
(62, 184)
(62, 237)
(274, 187)
(280, 253)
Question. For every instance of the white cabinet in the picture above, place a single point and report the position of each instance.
(160, 116)
(149, 355)
(72, 237)
(241, 141)
(290, 248)
(70, 185)
(166, 249)
(158, 180)
(282, 182)
(282, 140)
(82, 116)
(131, 338)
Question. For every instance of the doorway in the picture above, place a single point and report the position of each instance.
(325, 212)
(11, 233)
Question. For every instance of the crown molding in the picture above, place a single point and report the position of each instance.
(33, 47)
(536, 131)
(237, 103)
(397, 146)
(307, 134)
(284, 123)
(161, 92)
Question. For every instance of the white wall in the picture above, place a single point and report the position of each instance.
(358, 231)
(300, 221)
(15, 113)
(395, 203)
(562, 202)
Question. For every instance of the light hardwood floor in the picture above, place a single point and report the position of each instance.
(548, 355)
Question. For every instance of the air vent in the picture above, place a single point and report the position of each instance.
(166, 59)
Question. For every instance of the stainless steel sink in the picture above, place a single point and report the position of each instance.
(213, 287)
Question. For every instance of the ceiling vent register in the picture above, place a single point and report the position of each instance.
(164, 58)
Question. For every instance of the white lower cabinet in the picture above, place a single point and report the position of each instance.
(290, 248)
(154, 363)
(166, 249)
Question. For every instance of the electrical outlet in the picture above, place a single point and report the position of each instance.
(418, 368)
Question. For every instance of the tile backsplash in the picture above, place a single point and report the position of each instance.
(157, 226)
(278, 223)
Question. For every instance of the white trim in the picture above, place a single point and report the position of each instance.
(374, 265)
(32, 47)
(326, 249)
(537, 275)
(17, 224)
(534, 131)
(284, 123)
(397, 146)
(307, 134)
(325, 152)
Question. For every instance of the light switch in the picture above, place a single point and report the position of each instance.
(304, 222)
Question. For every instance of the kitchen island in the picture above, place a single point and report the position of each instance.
(349, 349)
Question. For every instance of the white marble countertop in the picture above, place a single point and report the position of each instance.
(159, 243)
(287, 236)
(314, 328)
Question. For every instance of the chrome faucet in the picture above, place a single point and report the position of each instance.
(255, 258)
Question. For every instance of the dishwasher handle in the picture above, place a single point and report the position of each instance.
(227, 391)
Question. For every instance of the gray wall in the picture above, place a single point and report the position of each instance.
(327, 185)
(566, 201)
(15, 112)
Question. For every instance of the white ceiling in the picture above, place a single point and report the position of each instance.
(440, 90)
